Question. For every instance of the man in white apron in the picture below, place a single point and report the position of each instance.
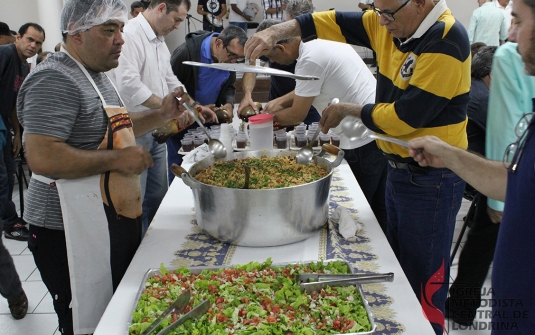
(84, 198)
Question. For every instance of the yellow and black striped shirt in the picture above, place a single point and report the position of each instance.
(423, 82)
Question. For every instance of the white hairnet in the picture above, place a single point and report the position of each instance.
(81, 15)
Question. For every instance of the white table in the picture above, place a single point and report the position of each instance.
(173, 222)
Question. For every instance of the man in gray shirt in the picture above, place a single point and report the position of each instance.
(64, 106)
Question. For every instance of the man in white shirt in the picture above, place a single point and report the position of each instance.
(342, 74)
(143, 78)
(237, 15)
(507, 6)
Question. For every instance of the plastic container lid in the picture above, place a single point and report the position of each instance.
(261, 118)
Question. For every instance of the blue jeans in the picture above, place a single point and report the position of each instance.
(368, 164)
(422, 210)
(242, 25)
(153, 180)
(10, 286)
(8, 211)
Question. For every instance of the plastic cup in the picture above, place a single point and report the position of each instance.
(282, 141)
(241, 141)
(300, 141)
(197, 142)
(324, 138)
(335, 140)
(315, 143)
(187, 144)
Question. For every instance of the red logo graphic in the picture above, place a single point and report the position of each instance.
(431, 312)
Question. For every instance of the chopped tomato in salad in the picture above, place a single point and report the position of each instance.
(254, 299)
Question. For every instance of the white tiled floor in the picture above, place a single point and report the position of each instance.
(41, 319)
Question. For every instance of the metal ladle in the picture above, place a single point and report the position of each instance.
(215, 146)
(306, 154)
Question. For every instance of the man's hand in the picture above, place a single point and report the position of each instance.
(17, 144)
(206, 114)
(132, 160)
(273, 106)
(494, 215)
(333, 115)
(248, 18)
(429, 151)
(246, 101)
(171, 107)
(259, 44)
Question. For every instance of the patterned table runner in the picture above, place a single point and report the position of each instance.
(201, 250)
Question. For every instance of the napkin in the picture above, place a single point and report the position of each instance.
(197, 154)
(346, 225)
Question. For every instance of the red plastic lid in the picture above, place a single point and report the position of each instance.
(261, 118)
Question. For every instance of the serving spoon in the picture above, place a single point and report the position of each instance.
(306, 154)
(215, 146)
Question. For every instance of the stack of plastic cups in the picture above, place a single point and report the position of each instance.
(198, 141)
(187, 144)
(300, 132)
(311, 130)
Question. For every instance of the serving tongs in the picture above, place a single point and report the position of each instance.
(310, 282)
(195, 313)
(178, 307)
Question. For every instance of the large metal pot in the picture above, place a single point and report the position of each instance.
(260, 218)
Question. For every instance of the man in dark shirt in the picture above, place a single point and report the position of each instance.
(6, 35)
(212, 10)
(13, 70)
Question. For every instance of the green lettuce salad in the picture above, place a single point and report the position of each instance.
(254, 298)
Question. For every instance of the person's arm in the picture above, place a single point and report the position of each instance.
(128, 75)
(235, 8)
(472, 28)
(296, 113)
(279, 103)
(503, 31)
(52, 157)
(248, 84)
(169, 109)
(223, 12)
(200, 11)
(488, 177)
(17, 139)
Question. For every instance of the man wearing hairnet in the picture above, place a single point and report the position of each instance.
(83, 204)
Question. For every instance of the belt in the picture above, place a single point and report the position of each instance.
(408, 167)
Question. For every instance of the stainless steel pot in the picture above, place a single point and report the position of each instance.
(261, 218)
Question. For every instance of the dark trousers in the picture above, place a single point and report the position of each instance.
(369, 166)
(474, 262)
(10, 286)
(50, 254)
(8, 211)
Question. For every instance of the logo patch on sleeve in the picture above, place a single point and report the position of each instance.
(407, 69)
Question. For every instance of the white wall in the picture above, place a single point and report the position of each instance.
(17, 12)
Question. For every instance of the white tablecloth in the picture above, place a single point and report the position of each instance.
(173, 222)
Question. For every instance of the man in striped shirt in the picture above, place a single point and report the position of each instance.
(274, 9)
(487, 24)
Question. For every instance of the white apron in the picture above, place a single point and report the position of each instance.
(100, 215)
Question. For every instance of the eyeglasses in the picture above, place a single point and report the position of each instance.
(232, 55)
(388, 16)
(513, 152)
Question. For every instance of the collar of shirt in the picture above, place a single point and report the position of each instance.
(206, 55)
(147, 29)
(429, 21)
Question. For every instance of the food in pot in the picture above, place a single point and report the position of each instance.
(274, 172)
(255, 299)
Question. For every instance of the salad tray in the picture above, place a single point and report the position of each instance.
(151, 273)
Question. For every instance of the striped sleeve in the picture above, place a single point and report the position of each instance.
(50, 105)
